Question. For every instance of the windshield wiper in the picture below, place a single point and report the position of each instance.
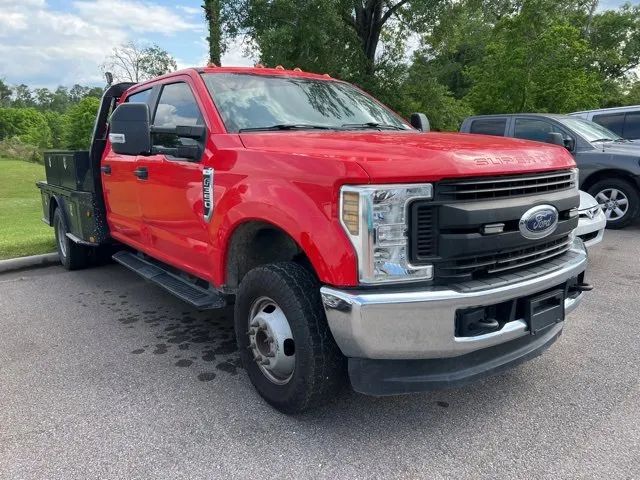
(376, 125)
(603, 140)
(286, 126)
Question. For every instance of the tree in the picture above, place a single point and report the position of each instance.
(615, 38)
(347, 29)
(212, 14)
(79, 123)
(43, 98)
(368, 18)
(633, 96)
(423, 93)
(27, 124)
(458, 42)
(132, 63)
(533, 64)
(5, 94)
(57, 125)
(22, 97)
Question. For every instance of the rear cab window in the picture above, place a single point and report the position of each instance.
(489, 126)
(139, 97)
(611, 121)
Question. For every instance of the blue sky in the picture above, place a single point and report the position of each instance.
(52, 42)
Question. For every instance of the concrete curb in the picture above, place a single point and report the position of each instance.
(34, 261)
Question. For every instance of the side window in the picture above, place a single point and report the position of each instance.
(632, 126)
(611, 121)
(489, 126)
(140, 97)
(533, 129)
(177, 107)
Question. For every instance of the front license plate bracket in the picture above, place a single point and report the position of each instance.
(544, 311)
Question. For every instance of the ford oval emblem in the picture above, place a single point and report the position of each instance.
(538, 222)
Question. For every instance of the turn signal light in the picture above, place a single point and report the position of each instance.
(351, 212)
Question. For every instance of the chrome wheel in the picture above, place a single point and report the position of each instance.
(62, 243)
(614, 203)
(271, 341)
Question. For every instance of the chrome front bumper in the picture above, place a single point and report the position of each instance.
(420, 324)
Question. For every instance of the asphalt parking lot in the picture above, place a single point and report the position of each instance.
(105, 376)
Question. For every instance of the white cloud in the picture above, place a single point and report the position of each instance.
(136, 15)
(40, 46)
(190, 10)
(12, 22)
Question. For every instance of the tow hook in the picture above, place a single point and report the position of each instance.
(581, 287)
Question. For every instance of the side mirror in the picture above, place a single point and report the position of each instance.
(555, 138)
(569, 143)
(129, 131)
(420, 122)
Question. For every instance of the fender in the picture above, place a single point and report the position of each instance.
(312, 223)
(63, 205)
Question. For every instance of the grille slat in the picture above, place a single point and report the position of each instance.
(481, 266)
(506, 186)
(423, 236)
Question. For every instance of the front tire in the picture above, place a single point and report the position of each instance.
(618, 199)
(284, 341)
(72, 256)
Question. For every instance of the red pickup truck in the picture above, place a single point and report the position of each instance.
(350, 240)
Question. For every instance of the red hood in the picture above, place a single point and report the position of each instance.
(399, 156)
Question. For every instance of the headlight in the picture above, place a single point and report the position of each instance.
(374, 218)
(574, 178)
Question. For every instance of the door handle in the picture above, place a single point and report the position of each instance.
(106, 169)
(141, 172)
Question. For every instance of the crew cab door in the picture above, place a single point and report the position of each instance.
(124, 212)
(170, 189)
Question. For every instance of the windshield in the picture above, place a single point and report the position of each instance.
(254, 102)
(591, 131)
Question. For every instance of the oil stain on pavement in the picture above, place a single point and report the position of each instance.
(195, 340)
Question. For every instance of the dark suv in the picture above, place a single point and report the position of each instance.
(609, 165)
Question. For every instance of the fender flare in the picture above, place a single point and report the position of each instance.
(326, 254)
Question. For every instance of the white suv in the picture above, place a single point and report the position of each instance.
(623, 121)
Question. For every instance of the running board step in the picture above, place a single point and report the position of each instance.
(186, 291)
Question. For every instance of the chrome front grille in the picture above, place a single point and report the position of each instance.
(506, 186)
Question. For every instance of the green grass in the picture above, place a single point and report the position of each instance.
(22, 232)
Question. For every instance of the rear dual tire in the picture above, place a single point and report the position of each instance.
(72, 256)
(284, 340)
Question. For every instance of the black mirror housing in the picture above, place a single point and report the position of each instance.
(129, 131)
(569, 144)
(420, 121)
(555, 138)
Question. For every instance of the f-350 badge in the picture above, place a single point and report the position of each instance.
(207, 193)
